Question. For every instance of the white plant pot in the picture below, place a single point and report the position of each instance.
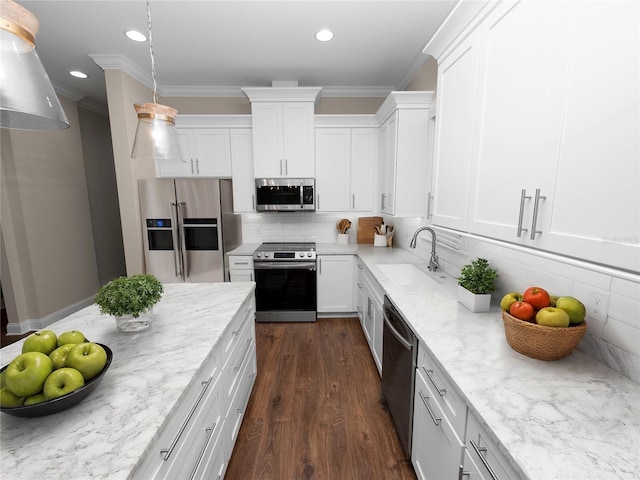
(343, 238)
(475, 303)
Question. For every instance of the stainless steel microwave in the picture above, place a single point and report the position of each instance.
(285, 194)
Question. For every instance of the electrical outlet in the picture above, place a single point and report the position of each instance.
(598, 305)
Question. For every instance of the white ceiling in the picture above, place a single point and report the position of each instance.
(209, 48)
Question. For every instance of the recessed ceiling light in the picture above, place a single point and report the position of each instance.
(324, 35)
(78, 74)
(135, 36)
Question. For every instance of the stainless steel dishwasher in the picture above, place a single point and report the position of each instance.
(399, 359)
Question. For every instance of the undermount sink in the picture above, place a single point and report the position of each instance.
(409, 274)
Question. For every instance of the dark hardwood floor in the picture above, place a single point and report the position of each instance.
(4, 338)
(316, 410)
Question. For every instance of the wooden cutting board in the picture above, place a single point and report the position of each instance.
(366, 228)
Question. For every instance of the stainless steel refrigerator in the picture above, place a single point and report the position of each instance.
(188, 226)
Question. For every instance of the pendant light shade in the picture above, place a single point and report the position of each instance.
(27, 98)
(156, 135)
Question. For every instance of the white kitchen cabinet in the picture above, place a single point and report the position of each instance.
(199, 435)
(241, 268)
(402, 180)
(437, 450)
(206, 151)
(370, 296)
(345, 167)
(515, 112)
(335, 284)
(457, 75)
(244, 187)
(483, 458)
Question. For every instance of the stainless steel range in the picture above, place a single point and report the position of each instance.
(285, 276)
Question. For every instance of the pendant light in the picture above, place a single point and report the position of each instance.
(156, 135)
(27, 98)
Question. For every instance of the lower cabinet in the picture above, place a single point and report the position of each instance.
(335, 283)
(437, 449)
(369, 297)
(199, 435)
(241, 268)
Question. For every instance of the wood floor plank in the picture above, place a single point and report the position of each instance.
(316, 410)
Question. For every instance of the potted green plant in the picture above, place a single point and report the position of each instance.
(476, 284)
(130, 300)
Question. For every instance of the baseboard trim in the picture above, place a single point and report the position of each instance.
(20, 328)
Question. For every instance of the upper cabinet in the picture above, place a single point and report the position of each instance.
(403, 153)
(346, 147)
(283, 131)
(534, 160)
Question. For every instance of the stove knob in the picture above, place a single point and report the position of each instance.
(309, 254)
(267, 255)
(301, 255)
(258, 255)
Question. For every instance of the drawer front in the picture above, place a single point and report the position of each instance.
(240, 262)
(246, 314)
(206, 426)
(241, 399)
(448, 397)
(214, 461)
(245, 346)
(489, 458)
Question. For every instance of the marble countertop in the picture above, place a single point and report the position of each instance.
(573, 418)
(107, 434)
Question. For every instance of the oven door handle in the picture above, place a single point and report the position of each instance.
(284, 265)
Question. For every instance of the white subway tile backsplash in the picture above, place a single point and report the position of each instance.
(625, 309)
(622, 335)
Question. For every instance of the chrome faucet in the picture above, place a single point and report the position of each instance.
(433, 261)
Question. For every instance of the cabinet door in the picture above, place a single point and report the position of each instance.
(436, 449)
(333, 169)
(212, 152)
(298, 139)
(592, 209)
(267, 139)
(179, 169)
(457, 79)
(363, 163)
(335, 283)
(516, 79)
(377, 320)
(388, 150)
(241, 275)
(244, 187)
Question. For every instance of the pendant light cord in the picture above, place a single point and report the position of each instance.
(153, 62)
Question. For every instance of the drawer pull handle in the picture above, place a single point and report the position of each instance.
(433, 417)
(462, 473)
(441, 391)
(244, 357)
(480, 451)
(168, 451)
(239, 411)
(209, 431)
(240, 263)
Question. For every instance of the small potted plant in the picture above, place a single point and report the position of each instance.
(130, 300)
(476, 284)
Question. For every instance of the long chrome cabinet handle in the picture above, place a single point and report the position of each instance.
(429, 200)
(185, 264)
(536, 203)
(441, 391)
(523, 197)
(209, 431)
(175, 236)
(435, 419)
(317, 201)
(353, 201)
(168, 451)
(479, 452)
(382, 201)
(462, 473)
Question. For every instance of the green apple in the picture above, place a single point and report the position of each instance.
(59, 355)
(44, 341)
(73, 336)
(8, 399)
(552, 300)
(2, 382)
(89, 358)
(552, 317)
(62, 381)
(27, 372)
(35, 399)
(574, 307)
(509, 299)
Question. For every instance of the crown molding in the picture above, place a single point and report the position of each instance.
(68, 92)
(94, 106)
(121, 62)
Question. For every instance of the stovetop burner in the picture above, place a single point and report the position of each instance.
(286, 251)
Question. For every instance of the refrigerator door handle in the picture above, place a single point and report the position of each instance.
(184, 272)
(177, 262)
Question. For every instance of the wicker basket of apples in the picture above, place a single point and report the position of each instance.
(543, 326)
(53, 373)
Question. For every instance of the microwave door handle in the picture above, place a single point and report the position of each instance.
(301, 196)
(183, 244)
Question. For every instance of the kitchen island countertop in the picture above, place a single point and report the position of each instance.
(573, 418)
(107, 434)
